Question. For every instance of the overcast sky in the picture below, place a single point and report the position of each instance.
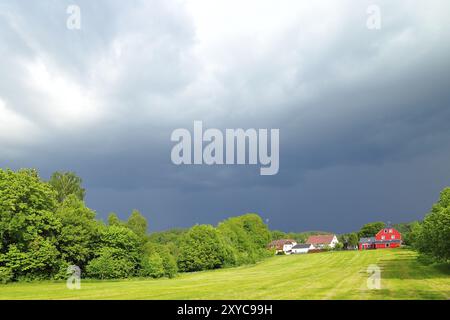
(364, 115)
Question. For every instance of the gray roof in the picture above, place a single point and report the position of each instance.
(301, 246)
(373, 240)
(367, 240)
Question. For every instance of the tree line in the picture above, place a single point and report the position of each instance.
(45, 227)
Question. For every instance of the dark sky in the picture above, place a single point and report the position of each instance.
(364, 115)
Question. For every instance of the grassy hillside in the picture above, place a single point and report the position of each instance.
(332, 275)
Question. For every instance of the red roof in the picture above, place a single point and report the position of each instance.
(320, 239)
(278, 244)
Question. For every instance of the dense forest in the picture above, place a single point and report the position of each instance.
(45, 228)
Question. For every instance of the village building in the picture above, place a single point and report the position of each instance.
(302, 248)
(282, 245)
(387, 237)
(323, 241)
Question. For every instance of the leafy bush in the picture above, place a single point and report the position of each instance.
(79, 231)
(110, 264)
(202, 249)
(28, 226)
(432, 236)
(6, 275)
(118, 254)
(246, 237)
(170, 265)
(164, 251)
(152, 266)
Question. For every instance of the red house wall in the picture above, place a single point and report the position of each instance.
(388, 234)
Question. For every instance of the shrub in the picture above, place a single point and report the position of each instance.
(170, 265)
(110, 264)
(202, 248)
(6, 275)
(246, 238)
(432, 236)
(28, 225)
(152, 266)
(168, 259)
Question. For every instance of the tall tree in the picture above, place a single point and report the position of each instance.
(29, 228)
(432, 236)
(66, 183)
(370, 229)
(349, 240)
(137, 223)
(113, 220)
(79, 231)
(202, 248)
(247, 235)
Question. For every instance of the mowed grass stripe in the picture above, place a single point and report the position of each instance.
(330, 275)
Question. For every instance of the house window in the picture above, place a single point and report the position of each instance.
(385, 230)
(393, 237)
(383, 237)
(390, 230)
(387, 245)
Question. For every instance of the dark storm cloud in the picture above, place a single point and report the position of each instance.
(363, 115)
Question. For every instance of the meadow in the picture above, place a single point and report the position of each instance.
(329, 275)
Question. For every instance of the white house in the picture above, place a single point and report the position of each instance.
(282, 245)
(323, 240)
(287, 247)
(302, 248)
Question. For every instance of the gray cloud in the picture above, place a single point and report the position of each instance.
(363, 115)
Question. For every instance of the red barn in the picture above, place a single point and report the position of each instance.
(387, 237)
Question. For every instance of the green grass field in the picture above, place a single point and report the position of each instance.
(331, 275)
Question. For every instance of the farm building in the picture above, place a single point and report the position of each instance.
(323, 241)
(282, 245)
(302, 248)
(385, 238)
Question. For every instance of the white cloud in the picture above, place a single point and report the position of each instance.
(64, 102)
(16, 132)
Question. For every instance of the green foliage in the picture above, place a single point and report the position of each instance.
(168, 236)
(113, 220)
(111, 263)
(370, 229)
(28, 225)
(406, 230)
(79, 232)
(349, 240)
(246, 237)
(171, 239)
(137, 223)
(202, 248)
(6, 275)
(118, 254)
(432, 236)
(67, 183)
(300, 237)
(277, 234)
(152, 266)
(170, 265)
(122, 239)
(163, 250)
